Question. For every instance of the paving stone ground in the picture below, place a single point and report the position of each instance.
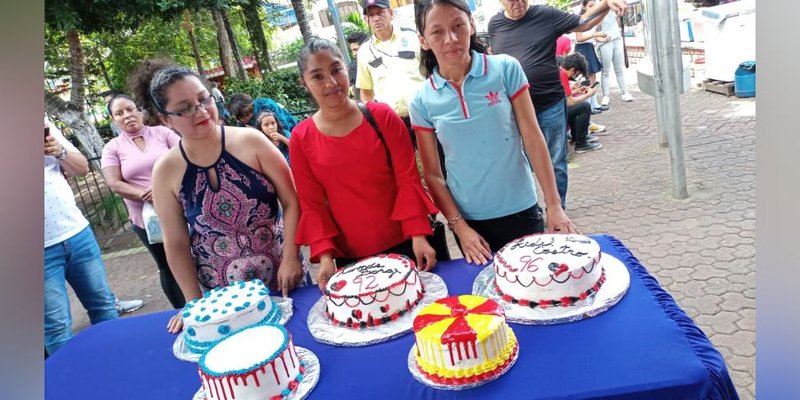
(701, 249)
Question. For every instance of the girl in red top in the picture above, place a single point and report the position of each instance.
(353, 202)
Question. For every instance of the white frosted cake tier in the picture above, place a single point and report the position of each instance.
(373, 291)
(548, 270)
(225, 310)
(256, 363)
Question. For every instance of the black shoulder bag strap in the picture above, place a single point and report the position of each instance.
(374, 125)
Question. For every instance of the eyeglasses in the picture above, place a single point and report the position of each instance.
(192, 110)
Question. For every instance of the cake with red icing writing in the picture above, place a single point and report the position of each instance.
(225, 310)
(549, 270)
(463, 339)
(373, 291)
(256, 363)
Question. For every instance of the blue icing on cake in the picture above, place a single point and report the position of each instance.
(235, 296)
(190, 331)
(228, 304)
(186, 314)
(262, 305)
(224, 329)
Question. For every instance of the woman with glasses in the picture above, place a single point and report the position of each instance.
(231, 186)
(127, 162)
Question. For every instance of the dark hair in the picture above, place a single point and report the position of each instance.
(576, 61)
(115, 98)
(357, 37)
(265, 114)
(427, 60)
(315, 45)
(239, 103)
(151, 80)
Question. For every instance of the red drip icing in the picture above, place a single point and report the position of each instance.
(216, 388)
(474, 349)
(450, 350)
(291, 356)
(458, 349)
(274, 372)
(230, 389)
(470, 379)
(285, 367)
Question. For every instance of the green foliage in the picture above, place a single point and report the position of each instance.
(360, 24)
(563, 5)
(287, 53)
(281, 85)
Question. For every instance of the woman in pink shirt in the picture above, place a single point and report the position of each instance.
(128, 167)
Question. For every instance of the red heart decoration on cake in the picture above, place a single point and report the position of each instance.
(292, 385)
(357, 314)
(561, 269)
(336, 286)
(385, 308)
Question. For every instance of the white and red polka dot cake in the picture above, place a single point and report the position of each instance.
(373, 291)
(549, 270)
(225, 310)
(256, 363)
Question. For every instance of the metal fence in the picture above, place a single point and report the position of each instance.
(105, 210)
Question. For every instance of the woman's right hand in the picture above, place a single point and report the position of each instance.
(175, 324)
(327, 268)
(474, 247)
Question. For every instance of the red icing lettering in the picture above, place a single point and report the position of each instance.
(529, 264)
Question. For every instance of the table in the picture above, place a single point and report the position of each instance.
(644, 347)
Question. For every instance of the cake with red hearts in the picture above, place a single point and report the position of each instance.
(256, 363)
(372, 292)
(463, 339)
(549, 270)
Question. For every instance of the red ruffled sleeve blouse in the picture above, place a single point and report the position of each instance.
(352, 202)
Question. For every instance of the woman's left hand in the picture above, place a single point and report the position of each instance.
(290, 274)
(425, 254)
(147, 195)
(558, 222)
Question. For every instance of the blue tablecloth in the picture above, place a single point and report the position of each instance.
(645, 347)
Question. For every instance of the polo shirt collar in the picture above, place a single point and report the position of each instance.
(477, 69)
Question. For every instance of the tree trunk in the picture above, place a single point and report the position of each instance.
(241, 72)
(85, 131)
(188, 26)
(225, 52)
(257, 37)
(77, 70)
(302, 21)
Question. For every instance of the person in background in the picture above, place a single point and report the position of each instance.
(563, 46)
(230, 185)
(529, 33)
(388, 66)
(127, 164)
(71, 253)
(360, 190)
(578, 109)
(268, 124)
(245, 110)
(611, 54)
(219, 99)
(354, 41)
(585, 43)
(479, 108)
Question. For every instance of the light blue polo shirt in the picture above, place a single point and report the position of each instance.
(487, 171)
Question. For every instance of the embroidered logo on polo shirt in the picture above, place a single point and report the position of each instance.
(493, 97)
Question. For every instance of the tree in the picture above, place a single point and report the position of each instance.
(257, 38)
(241, 73)
(225, 51)
(188, 26)
(302, 21)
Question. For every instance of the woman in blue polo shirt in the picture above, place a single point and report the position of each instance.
(479, 108)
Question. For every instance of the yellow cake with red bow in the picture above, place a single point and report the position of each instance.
(463, 339)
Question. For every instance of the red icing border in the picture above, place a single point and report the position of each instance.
(378, 321)
(565, 301)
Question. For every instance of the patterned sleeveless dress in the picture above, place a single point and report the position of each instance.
(236, 229)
